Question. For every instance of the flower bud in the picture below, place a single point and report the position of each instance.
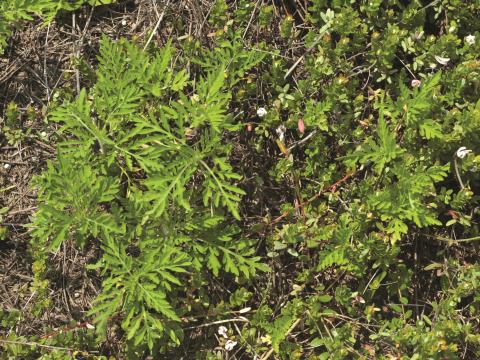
(301, 126)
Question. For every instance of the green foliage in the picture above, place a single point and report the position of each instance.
(12, 126)
(139, 287)
(13, 12)
(382, 151)
(130, 173)
(73, 208)
(354, 109)
(356, 193)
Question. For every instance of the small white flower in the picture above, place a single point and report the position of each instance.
(462, 152)
(281, 132)
(261, 112)
(470, 39)
(124, 22)
(416, 83)
(230, 344)
(442, 60)
(6, 166)
(222, 331)
(43, 134)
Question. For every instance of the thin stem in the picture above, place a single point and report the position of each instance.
(451, 241)
(457, 173)
(156, 26)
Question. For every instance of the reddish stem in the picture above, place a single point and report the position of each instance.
(332, 187)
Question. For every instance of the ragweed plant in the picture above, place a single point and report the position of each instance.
(144, 164)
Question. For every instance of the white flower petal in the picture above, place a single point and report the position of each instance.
(470, 39)
(230, 344)
(261, 112)
(416, 83)
(442, 60)
(222, 331)
(462, 152)
(281, 132)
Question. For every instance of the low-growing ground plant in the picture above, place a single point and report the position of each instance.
(301, 183)
(14, 12)
(145, 173)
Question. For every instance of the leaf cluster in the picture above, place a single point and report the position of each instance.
(144, 166)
